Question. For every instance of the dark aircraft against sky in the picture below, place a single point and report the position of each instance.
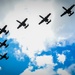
(22, 24)
(68, 11)
(3, 30)
(4, 44)
(45, 19)
(4, 56)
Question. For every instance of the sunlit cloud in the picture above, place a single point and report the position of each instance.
(37, 38)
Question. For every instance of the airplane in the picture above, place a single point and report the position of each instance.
(3, 30)
(4, 56)
(22, 24)
(68, 11)
(4, 44)
(45, 19)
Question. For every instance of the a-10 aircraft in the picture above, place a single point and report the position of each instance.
(4, 56)
(4, 44)
(45, 19)
(68, 11)
(3, 30)
(22, 24)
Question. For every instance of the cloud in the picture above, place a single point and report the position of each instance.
(63, 72)
(6, 6)
(46, 62)
(36, 37)
(43, 60)
(61, 58)
(19, 55)
(48, 70)
(63, 26)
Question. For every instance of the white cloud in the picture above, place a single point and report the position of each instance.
(46, 62)
(63, 26)
(62, 72)
(45, 71)
(35, 38)
(19, 55)
(68, 71)
(43, 60)
(61, 58)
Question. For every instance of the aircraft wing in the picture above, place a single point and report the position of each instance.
(5, 54)
(4, 41)
(41, 22)
(0, 31)
(71, 7)
(63, 14)
(48, 15)
(25, 20)
(0, 28)
(19, 26)
(5, 26)
(3, 29)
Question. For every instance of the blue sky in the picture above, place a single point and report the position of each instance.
(38, 50)
(13, 65)
(16, 66)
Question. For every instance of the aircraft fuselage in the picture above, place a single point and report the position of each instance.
(46, 20)
(68, 11)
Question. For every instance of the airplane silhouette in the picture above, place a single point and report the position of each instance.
(4, 44)
(3, 30)
(4, 56)
(68, 11)
(45, 19)
(22, 24)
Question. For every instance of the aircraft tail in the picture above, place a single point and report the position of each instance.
(64, 8)
(6, 46)
(48, 22)
(26, 26)
(7, 58)
(7, 32)
(71, 13)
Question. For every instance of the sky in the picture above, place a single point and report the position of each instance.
(39, 49)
